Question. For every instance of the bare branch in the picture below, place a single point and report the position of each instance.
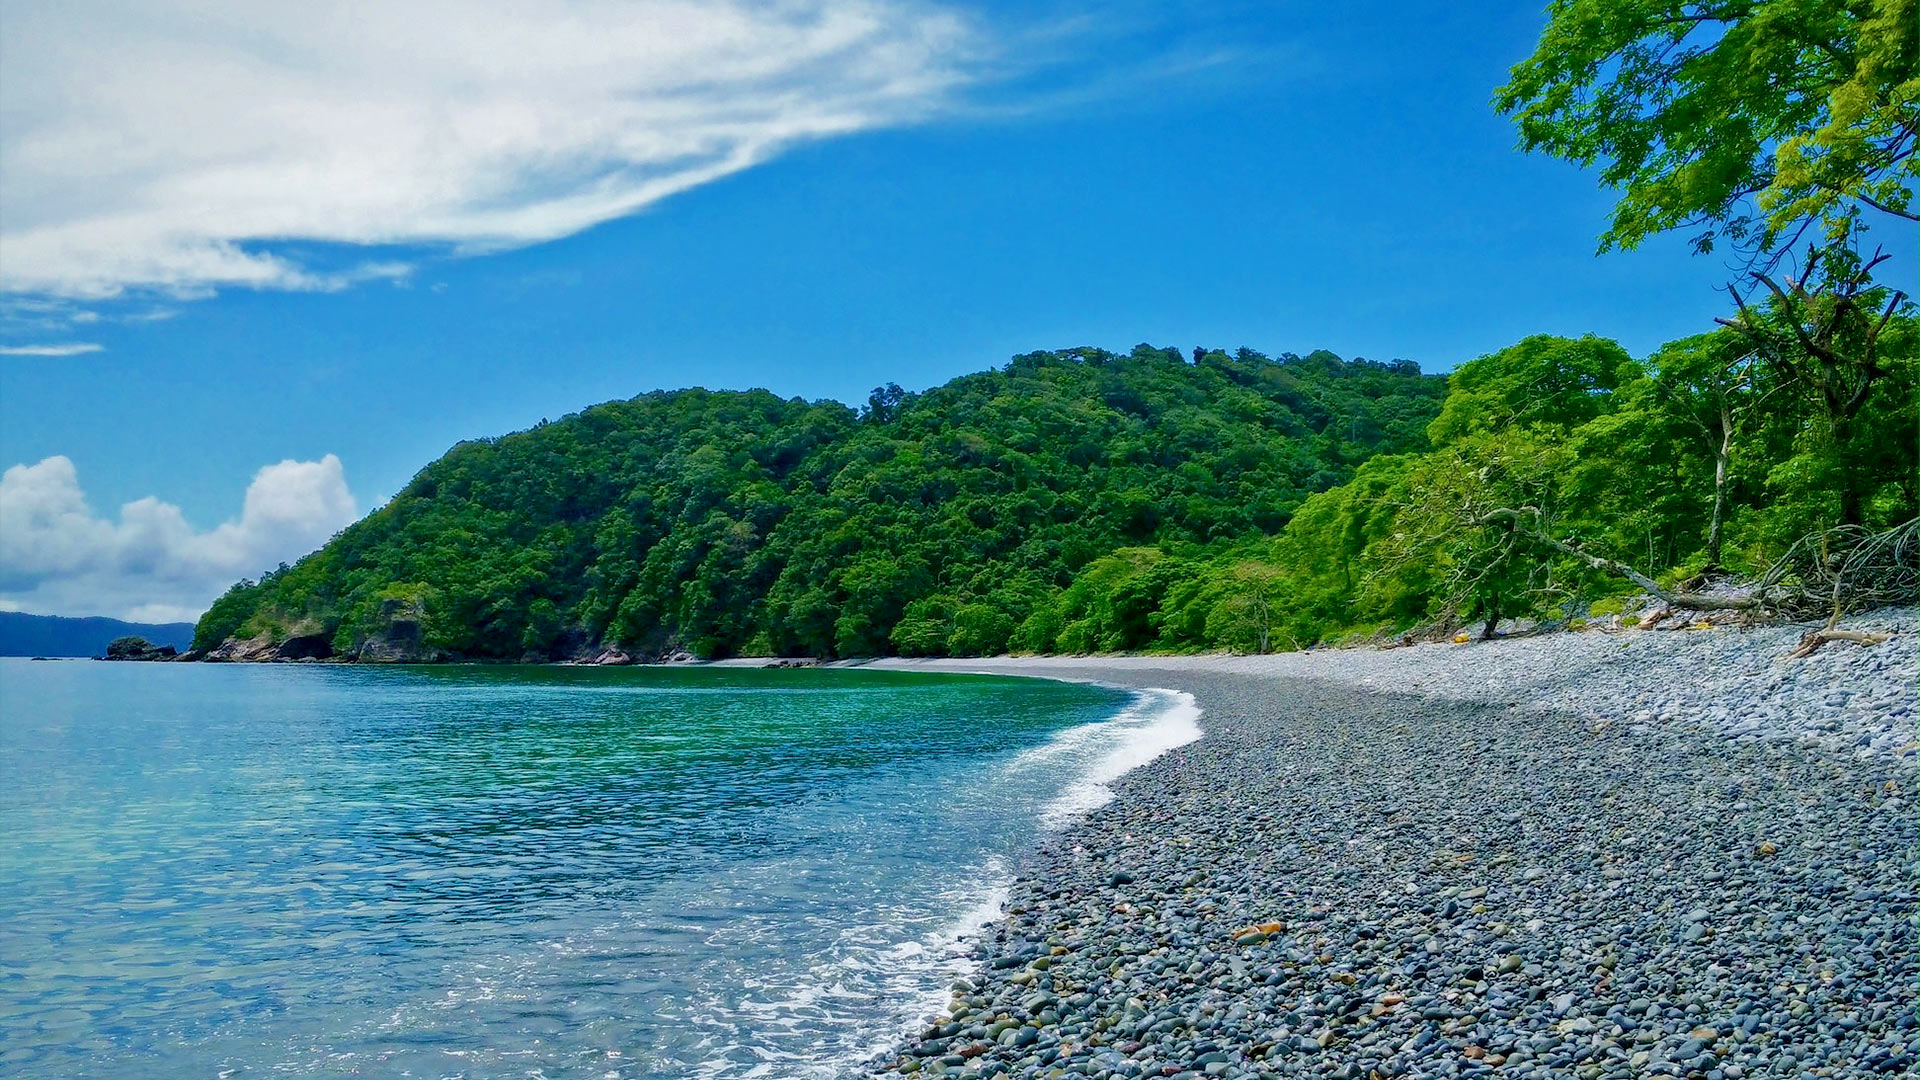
(1806, 340)
(1893, 305)
(1749, 327)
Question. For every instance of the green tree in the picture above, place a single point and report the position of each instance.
(924, 627)
(1823, 332)
(1039, 632)
(1247, 614)
(979, 630)
(1712, 383)
(1543, 381)
(1333, 550)
(224, 619)
(1467, 503)
(1749, 121)
(1669, 447)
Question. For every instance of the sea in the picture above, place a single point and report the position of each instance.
(229, 871)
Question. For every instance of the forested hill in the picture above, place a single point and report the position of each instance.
(740, 522)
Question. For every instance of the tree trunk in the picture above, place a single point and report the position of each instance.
(1852, 499)
(1852, 506)
(1493, 618)
(1720, 460)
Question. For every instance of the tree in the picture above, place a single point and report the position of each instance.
(224, 618)
(941, 522)
(979, 630)
(1453, 521)
(1709, 383)
(1245, 616)
(1826, 339)
(1640, 478)
(1542, 382)
(884, 403)
(923, 627)
(1750, 121)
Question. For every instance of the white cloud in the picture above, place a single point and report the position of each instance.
(78, 348)
(180, 145)
(57, 557)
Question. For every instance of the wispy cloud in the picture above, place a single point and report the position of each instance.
(1063, 56)
(182, 147)
(77, 348)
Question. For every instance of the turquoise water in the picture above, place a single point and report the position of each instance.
(220, 871)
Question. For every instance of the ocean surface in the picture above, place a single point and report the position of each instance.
(241, 871)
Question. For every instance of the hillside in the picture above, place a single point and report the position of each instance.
(739, 522)
(22, 634)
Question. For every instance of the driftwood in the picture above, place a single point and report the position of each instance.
(1877, 568)
(1820, 637)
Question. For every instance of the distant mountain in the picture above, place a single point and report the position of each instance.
(22, 634)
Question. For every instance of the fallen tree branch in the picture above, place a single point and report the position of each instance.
(1831, 571)
(1676, 598)
(1861, 637)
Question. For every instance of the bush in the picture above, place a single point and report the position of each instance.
(1039, 632)
(979, 630)
(1612, 605)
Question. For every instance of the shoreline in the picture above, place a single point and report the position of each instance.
(1705, 675)
(1474, 878)
(1736, 681)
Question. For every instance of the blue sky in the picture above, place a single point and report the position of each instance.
(1286, 177)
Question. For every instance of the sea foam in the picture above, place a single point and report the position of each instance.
(1156, 721)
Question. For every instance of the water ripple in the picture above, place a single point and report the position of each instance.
(247, 871)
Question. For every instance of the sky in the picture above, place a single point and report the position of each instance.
(261, 262)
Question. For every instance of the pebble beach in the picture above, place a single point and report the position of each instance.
(1645, 853)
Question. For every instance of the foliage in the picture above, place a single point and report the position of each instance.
(1750, 121)
(1543, 382)
(224, 619)
(952, 521)
(1545, 446)
(1823, 335)
(1091, 502)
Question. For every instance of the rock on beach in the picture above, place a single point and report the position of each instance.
(1339, 882)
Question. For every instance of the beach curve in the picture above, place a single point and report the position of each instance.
(1340, 881)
